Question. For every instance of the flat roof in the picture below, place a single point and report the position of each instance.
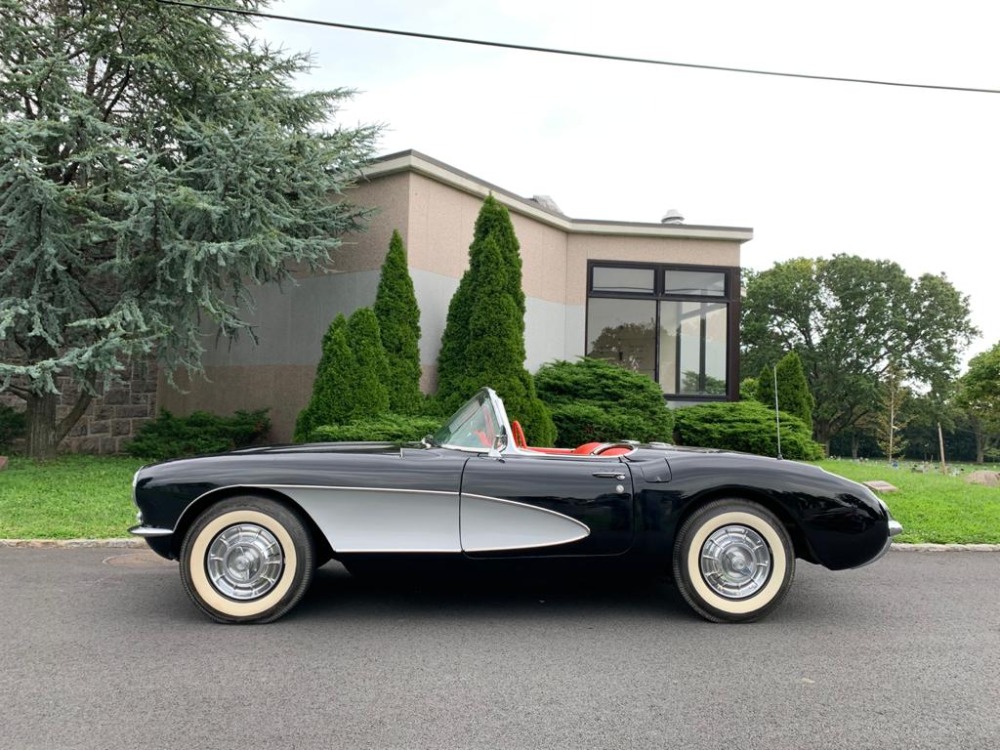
(414, 161)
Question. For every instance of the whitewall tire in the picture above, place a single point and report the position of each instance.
(733, 561)
(247, 559)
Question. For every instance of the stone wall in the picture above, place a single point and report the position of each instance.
(111, 420)
(114, 418)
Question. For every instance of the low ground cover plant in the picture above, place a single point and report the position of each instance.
(402, 428)
(169, 436)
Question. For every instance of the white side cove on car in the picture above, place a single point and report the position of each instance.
(363, 519)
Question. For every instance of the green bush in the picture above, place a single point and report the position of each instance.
(401, 428)
(168, 436)
(594, 400)
(746, 426)
(12, 426)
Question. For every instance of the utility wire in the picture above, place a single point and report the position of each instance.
(572, 53)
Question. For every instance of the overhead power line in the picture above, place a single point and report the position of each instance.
(572, 53)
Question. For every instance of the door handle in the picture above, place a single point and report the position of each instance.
(610, 475)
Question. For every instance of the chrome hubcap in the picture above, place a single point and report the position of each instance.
(244, 561)
(735, 561)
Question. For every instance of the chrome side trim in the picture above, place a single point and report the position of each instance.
(895, 527)
(145, 531)
(493, 524)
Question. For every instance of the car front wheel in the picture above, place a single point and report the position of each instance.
(733, 561)
(247, 559)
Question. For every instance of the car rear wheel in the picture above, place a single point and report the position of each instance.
(247, 559)
(733, 561)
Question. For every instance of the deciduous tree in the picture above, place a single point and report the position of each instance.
(154, 161)
(979, 396)
(849, 318)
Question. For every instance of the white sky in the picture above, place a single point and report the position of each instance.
(815, 168)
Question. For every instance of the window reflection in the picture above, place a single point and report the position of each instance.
(623, 332)
(677, 336)
(693, 348)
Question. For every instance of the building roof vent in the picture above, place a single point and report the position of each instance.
(673, 216)
(546, 202)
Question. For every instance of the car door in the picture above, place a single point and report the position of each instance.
(546, 505)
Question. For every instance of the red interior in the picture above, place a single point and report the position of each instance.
(587, 449)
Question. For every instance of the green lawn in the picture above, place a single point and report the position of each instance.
(932, 507)
(77, 497)
(72, 497)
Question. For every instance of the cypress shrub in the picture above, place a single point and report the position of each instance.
(746, 426)
(794, 396)
(483, 342)
(399, 324)
(334, 389)
(371, 397)
(594, 400)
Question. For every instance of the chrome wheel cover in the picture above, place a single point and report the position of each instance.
(244, 562)
(735, 562)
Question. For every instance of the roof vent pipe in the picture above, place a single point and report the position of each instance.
(673, 216)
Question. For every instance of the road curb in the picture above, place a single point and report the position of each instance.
(73, 543)
(135, 543)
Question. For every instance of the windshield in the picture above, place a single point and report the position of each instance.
(475, 425)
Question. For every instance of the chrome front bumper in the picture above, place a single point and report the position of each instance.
(148, 531)
(895, 528)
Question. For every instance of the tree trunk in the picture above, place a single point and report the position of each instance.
(855, 446)
(41, 418)
(44, 433)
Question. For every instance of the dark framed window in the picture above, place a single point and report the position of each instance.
(676, 324)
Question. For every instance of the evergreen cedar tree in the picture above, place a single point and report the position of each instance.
(793, 388)
(399, 323)
(140, 200)
(334, 389)
(483, 341)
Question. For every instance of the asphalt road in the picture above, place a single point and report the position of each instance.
(101, 649)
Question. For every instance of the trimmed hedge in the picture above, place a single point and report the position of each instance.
(389, 427)
(746, 426)
(594, 400)
(168, 436)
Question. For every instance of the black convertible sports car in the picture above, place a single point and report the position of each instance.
(250, 527)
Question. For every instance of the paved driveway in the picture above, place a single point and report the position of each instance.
(101, 649)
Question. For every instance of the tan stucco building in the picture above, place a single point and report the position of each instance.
(661, 298)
